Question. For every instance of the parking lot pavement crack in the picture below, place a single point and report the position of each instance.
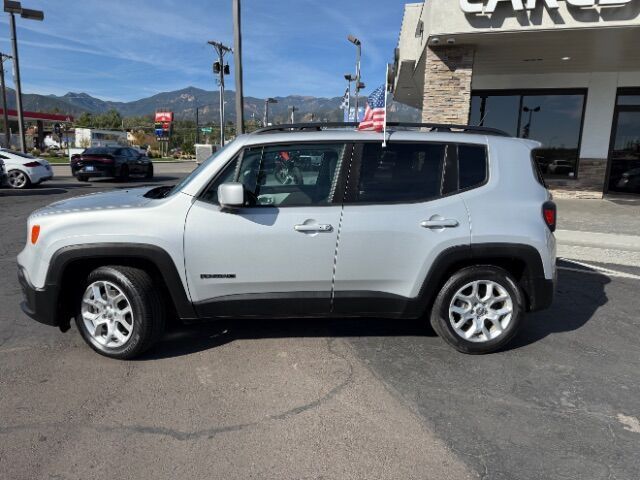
(213, 431)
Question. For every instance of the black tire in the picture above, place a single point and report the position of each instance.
(148, 312)
(149, 173)
(440, 311)
(83, 178)
(123, 176)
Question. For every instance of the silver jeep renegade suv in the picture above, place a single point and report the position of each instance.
(449, 224)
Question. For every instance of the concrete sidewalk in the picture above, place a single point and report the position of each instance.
(603, 231)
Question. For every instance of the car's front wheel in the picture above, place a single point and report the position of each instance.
(18, 179)
(478, 310)
(120, 313)
(149, 173)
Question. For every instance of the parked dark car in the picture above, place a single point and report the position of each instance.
(118, 162)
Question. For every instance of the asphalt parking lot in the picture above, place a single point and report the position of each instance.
(322, 399)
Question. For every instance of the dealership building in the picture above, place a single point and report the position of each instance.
(563, 72)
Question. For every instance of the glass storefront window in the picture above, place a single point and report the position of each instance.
(552, 118)
(633, 100)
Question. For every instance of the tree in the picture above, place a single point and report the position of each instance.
(85, 120)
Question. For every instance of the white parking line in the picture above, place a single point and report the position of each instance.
(596, 270)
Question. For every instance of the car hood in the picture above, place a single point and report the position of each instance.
(117, 199)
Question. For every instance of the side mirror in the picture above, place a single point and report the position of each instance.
(231, 195)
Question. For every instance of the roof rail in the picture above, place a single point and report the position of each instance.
(433, 127)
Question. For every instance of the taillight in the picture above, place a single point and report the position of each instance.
(550, 215)
(32, 164)
(103, 160)
(35, 233)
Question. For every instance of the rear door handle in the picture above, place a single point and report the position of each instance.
(313, 228)
(444, 223)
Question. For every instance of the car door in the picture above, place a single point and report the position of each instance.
(275, 256)
(399, 215)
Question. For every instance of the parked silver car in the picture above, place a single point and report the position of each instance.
(453, 225)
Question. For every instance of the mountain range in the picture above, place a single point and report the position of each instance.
(184, 102)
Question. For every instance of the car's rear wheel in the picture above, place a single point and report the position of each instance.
(83, 178)
(18, 179)
(149, 173)
(120, 313)
(478, 310)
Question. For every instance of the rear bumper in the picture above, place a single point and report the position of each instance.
(40, 174)
(98, 171)
(39, 304)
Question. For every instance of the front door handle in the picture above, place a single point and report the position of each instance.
(304, 228)
(443, 223)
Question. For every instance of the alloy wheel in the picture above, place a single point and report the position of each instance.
(481, 311)
(107, 314)
(17, 179)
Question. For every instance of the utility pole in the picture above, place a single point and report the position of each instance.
(221, 70)
(237, 54)
(5, 115)
(293, 111)
(197, 126)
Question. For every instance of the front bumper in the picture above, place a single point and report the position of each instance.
(39, 304)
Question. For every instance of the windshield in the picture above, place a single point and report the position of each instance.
(98, 151)
(195, 172)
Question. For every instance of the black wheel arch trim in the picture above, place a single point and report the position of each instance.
(159, 257)
(537, 289)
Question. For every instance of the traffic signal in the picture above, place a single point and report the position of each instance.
(227, 71)
(216, 67)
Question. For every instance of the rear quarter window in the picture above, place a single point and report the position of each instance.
(472, 166)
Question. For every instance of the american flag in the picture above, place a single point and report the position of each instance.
(374, 115)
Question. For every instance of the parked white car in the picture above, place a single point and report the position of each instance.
(24, 170)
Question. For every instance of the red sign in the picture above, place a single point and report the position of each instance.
(164, 116)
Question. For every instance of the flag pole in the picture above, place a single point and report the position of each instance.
(384, 126)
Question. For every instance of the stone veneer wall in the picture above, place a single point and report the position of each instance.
(447, 91)
(592, 173)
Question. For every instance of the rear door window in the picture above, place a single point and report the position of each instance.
(399, 173)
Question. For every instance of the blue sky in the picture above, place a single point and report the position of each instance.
(129, 49)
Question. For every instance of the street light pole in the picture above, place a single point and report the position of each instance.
(358, 45)
(5, 115)
(267, 101)
(16, 81)
(13, 8)
(237, 55)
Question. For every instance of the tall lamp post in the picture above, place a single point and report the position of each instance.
(267, 101)
(359, 85)
(13, 8)
(5, 115)
(237, 56)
